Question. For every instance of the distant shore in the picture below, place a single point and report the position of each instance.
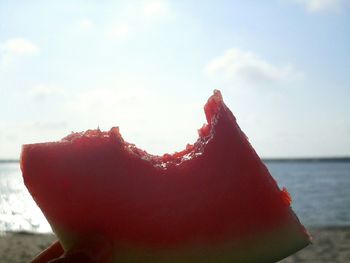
(9, 161)
(330, 244)
(309, 159)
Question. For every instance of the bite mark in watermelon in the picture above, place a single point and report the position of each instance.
(215, 201)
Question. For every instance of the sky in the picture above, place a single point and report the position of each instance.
(283, 67)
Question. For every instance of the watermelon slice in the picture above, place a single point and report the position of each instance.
(215, 201)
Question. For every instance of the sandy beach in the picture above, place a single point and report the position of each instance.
(329, 245)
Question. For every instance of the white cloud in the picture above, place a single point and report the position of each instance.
(51, 125)
(13, 48)
(84, 25)
(119, 31)
(42, 92)
(243, 66)
(100, 99)
(323, 5)
(137, 18)
(19, 46)
(156, 8)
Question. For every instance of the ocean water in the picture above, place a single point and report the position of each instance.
(320, 192)
(18, 211)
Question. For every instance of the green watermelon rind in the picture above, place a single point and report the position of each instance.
(265, 247)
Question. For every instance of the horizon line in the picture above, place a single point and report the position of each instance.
(264, 159)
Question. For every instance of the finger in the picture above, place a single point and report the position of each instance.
(53, 251)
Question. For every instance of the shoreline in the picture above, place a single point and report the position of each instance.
(330, 244)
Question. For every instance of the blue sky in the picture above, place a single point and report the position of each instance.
(283, 67)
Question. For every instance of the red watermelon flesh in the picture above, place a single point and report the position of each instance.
(215, 201)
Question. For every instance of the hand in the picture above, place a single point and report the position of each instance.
(92, 250)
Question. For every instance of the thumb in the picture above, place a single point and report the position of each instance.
(94, 249)
(53, 251)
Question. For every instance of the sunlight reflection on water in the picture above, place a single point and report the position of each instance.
(18, 211)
